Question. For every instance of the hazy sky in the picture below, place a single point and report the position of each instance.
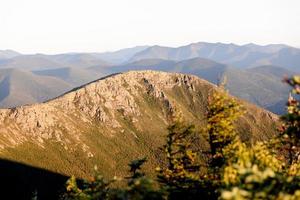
(52, 26)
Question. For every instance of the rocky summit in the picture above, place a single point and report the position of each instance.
(113, 120)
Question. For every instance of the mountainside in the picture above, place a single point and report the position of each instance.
(74, 76)
(121, 56)
(43, 62)
(20, 87)
(288, 58)
(113, 120)
(146, 64)
(204, 68)
(78, 60)
(6, 54)
(260, 86)
(272, 71)
(30, 62)
(244, 56)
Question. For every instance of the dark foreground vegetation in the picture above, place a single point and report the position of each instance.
(232, 169)
(19, 181)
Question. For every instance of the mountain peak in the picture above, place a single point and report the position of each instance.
(120, 116)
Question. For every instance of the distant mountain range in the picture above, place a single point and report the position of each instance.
(121, 56)
(245, 56)
(253, 72)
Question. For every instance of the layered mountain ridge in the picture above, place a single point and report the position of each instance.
(23, 87)
(254, 72)
(112, 120)
(240, 56)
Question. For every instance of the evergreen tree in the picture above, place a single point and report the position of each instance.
(181, 178)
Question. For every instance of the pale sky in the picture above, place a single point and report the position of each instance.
(55, 26)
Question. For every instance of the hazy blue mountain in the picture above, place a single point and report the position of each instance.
(276, 74)
(201, 67)
(43, 61)
(239, 56)
(155, 52)
(78, 60)
(270, 48)
(204, 68)
(288, 58)
(21, 87)
(147, 64)
(261, 85)
(121, 56)
(6, 54)
(244, 56)
(271, 71)
(30, 62)
(73, 76)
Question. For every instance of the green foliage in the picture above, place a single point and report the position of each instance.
(181, 164)
(138, 187)
(291, 128)
(181, 176)
(256, 173)
(264, 183)
(222, 137)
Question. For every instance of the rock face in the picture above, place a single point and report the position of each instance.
(112, 120)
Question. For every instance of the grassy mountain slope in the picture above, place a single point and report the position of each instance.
(113, 120)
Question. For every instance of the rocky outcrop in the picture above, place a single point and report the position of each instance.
(96, 101)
